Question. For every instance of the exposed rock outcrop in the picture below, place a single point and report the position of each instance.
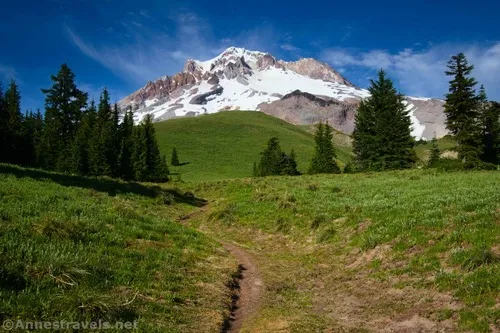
(202, 98)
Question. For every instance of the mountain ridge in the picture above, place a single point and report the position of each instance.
(240, 79)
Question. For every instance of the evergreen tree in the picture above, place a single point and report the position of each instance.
(81, 144)
(38, 126)
(101, 146)
(4, 137)
(64, 103)
(324, 157)
(175, 159)
(27, 139)
(288, 164)
(435, 154)
(382, 134)
(148, 164)
(461, 109)
(491, 133)
(271, 159)
(14, 148)
(126, 170)
(364, 137)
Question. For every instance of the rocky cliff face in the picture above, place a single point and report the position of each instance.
(301, 92)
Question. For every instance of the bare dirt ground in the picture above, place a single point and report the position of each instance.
(249, 285)
(249, 291)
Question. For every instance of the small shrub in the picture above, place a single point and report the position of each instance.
(449, 164)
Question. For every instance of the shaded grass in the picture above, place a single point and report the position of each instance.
(81, 249)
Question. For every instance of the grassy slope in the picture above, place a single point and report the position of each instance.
(225, 145)
(79, 249)
(415, 250)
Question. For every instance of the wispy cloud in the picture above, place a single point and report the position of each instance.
(289, 47)
(144, 53)
(8, 72)
(147, 54)
(422, 72)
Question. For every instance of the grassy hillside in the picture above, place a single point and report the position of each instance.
(78, 249)
(408, 251)
(225, 145)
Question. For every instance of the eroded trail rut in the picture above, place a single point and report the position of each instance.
(250, 285)
(250, 289)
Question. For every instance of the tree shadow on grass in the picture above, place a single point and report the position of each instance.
(102, 184)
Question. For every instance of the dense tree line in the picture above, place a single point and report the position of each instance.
(78, 137)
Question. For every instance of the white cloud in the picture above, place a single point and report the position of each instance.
(421, 73)
(289, 47)
(8, 73)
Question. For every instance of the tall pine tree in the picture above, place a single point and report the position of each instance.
(462, 111)
(148, 164)
(382, 136)
(126, 168)
(491, 133)
(101, 146)
(80, 150)
(489, 123)
(64, 103)
(14, 147)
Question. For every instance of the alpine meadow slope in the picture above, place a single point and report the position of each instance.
(226, 144)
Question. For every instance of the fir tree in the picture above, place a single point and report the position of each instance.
(461, 109)
(435, 154)
(27, 139)
(38, 127)
(271, 159)
(491, 133)
(101, 148)
(80, 150)
(148, 164)
(382, 134)
(4, 137)
(289, 164)
(126, 170)
(324, 157)
(64, 103)
(14, 148)
(175, 159)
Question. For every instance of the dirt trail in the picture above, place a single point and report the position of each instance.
(249, 284)
(250, 289)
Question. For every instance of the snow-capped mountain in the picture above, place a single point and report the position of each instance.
(302, 92)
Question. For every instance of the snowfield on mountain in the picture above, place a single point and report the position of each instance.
(240, 79)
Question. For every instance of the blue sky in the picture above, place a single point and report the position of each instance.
(123, 44)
